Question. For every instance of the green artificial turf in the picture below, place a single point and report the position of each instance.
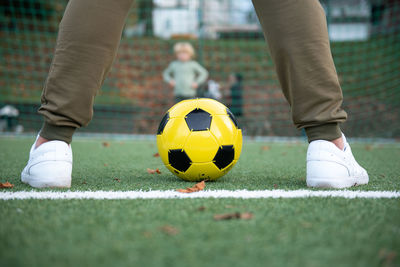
(283, 232)
(261, 166)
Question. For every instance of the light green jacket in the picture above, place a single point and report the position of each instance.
(185, 74)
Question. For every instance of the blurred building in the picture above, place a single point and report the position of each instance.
(348, 20)
(206, 18)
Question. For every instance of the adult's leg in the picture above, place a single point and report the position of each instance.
(88, 39)
(87, 42)
(297, 36)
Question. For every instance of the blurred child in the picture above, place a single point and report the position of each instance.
(236, 88)
(184, 74)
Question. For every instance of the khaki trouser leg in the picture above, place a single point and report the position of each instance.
(297, 36)
(88, 39)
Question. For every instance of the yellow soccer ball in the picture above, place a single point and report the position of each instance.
(199, 139)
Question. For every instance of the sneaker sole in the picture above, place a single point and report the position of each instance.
(363, 181)
(63, 182)
(331, 182)
(58, 176)
(59, 182)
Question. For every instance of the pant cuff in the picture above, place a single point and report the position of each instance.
(329, 132)
(53, 132)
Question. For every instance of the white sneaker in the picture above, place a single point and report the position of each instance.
(330, 167)
(49, 165)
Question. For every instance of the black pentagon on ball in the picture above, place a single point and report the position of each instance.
(224, 156)
(198, 120)
(232, 117)
(162, 124)
(179, 159)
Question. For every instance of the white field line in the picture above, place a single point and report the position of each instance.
(170, 194)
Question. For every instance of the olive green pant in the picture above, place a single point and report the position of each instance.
(297, 36)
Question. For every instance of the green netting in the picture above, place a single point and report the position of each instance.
(365, 39)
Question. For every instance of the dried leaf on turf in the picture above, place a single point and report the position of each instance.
(197, 187)
(275, 186)
(265, 148)
(116, 179)
(246, 216)
(235, 215)
(106, 144)
(6, 185)
(387, 256)
(169, 230)
(368, 147)
(147, 234)
(201, 208)
(151, 171)
(156, 155)
(306, 224)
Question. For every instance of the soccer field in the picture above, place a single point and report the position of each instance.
(303, 231)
